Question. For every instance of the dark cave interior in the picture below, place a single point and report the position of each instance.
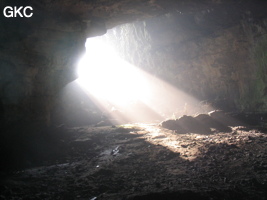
(145, 99)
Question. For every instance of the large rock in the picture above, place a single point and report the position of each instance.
(220, 117)
(210, 122)
(191, 125)
(186, 124)
(203, 123)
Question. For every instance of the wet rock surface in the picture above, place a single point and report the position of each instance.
(139, 161)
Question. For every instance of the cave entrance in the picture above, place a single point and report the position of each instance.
(123, 88)
(119, 89)
(114, 83)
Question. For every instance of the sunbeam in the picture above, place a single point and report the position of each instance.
(107, 77)
(127, 93)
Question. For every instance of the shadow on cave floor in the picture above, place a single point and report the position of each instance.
(138, 161)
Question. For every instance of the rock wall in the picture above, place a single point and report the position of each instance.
(34, 65)
(224, 65)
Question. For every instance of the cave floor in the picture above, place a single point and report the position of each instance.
(144, 161)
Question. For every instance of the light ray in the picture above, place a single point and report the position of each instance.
(108, 77)
(127, 92)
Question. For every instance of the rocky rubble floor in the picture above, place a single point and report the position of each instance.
(143, 161)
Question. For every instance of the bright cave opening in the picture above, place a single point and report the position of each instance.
(126, 92)
(109, 78)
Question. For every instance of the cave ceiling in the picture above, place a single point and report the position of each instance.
(115, 12)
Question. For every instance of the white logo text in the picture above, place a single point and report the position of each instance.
(18, 12)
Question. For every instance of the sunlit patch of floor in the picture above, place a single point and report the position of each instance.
(183, 144)
(188, 145)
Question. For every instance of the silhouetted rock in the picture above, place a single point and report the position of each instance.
(191, 125)
(169, 124)
(224, 119)
(186, 124)
(210, 122)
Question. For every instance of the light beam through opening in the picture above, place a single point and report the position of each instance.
(108, 77)
(127, 93)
